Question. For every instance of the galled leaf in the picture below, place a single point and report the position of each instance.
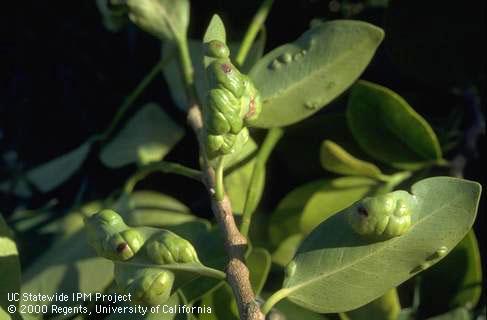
(336, 269)
(306, 206)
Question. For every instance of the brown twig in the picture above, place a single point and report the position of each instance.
(235, 243)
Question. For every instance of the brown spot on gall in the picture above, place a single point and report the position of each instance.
(362, 211)
(121, 247)
(251, 111)
(227, 68)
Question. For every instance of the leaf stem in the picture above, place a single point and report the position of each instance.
(397, 178)
(254, 27)
(254, 190)
(161, 166)
(274, 299)
(186, 68)
(219, 187)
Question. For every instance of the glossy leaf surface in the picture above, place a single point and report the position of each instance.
(299, 78)
(337, 270)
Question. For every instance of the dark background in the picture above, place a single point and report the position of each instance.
(63, 76)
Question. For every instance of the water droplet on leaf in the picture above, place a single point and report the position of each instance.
(422, 266)
(439, 253)
(286, 58)
(275, 64)
(312, 105)
(330, 85)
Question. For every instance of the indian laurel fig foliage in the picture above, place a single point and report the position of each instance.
(372, 221)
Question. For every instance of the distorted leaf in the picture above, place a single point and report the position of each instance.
(306, 206)
(336, 269)
(215, 31)
(80, 270)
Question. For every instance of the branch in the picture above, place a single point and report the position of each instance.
(235, 243)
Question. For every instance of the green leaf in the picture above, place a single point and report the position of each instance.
(10, 266)
(257, 180)
(215, 31)
(173, 302)
(386, 307)
(222, 303)
(52, 174)
(336, 269)
(299, 78)
(147, 137)
(173, 76)
(335, 195)
(165, 19)
(152, 209)
(389, 130)
(457, 314)
(442, 289)
(306, 206)
(286, 250)
(80, 270)
(237, 180)
(259, 264)
(211, 252)
(285, 309)
(77, 269)
(336, 159)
